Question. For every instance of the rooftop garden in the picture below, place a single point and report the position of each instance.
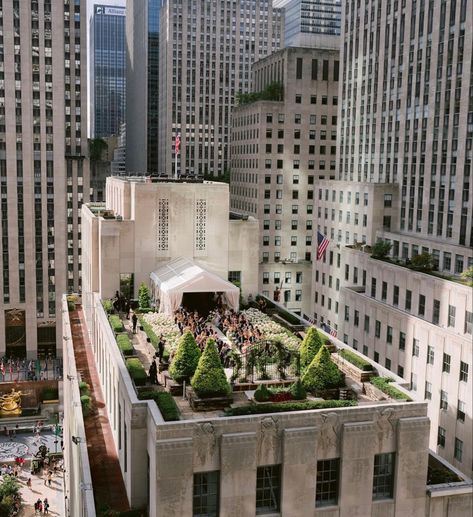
(273, 92)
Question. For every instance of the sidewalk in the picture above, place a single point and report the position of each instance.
(55, 493)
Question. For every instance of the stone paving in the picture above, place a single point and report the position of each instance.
(39, 490)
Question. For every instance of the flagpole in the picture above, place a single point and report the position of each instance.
(175, 167)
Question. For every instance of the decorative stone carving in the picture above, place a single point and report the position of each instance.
(329, 431)
(205, 441)
(162, 216)
(268, 439)
(386, 423)
(200, 225)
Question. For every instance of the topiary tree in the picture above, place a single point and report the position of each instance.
(209, 379)
(309, 347)
(262, 393)
(322, 373)
(381, 249)
(185, 359)
(144, 296)
(422, 262)
(298, 391)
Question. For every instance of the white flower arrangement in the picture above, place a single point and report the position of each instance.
(163, 324)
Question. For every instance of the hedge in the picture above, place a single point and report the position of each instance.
(288, 406)
(116, 323)
(50, 394)
(310, 346)
(262, 393)
(382, 383)
(322, 373)
(150, 333)
(124, 344)
(165, 403)
(356, 360)
(209, 379)
(137, 372)
(185, 359)
(107, 305)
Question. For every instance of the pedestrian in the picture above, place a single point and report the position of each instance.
(134, 320)
(50, 475)
(46, 506)
(153, 373)
(127, 309)
(161, 348)
(28, 483)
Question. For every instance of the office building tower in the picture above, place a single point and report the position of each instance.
(206, 53)
(43, 168)
(142, 36)
(306, 21)
(107, 69)
(404, 177)
(281, 148)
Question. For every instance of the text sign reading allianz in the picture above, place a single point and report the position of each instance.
(113, 11)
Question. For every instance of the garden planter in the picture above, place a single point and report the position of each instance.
(141, 327)
(172, 386)
(207, 404)
(351, 370)
(163, 366)
(148, 340)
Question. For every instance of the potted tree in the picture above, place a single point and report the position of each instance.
(322, 374)
(184, 362)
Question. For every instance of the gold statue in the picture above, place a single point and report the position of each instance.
(10, 403)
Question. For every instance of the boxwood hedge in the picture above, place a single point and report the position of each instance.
(165, 403)
(356, 360)
(124, 344)
(287, 406)
(116, 323)
(137, 372)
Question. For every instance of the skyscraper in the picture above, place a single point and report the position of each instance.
(107, 69)
(43, 167)
(206, 53)
(404, 177)
(142, 37)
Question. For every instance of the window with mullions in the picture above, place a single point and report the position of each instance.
(268, 489)
(326, 492)
(206, 494)
(383, 477)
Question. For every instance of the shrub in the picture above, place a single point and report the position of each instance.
(116, 323)
(124, 344)
(9, 487)
(144, 296)
(381, 249)
(150, 333)
(356, 360)
(84, 388)
(50, 394)
(209, 379)
(71, 306)
(467, 276)
(382, 383)
(310, 346)
(256, 409)
(86, 403)
(165, 403)
(422, 262)
(107, 306)
(185, 359)
(137, 372)
(298, 391)
(322, 373)
(262, 393)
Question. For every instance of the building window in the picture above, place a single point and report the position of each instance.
(299, 68)
(430, 354)
(402, 341)
(446, 363)
(389, 334)
(415, 347)
(326, 492)
(408, 300)
(463, 371)
(268, 489)
(384, 291)
(206, 494)
(383, 477)
(441, 437)
(436, 312)
(421, 305)
(451, 315)
(458, 453)
(396, 296)
(443, 400)
(428, 391)
(377, 329)
(367, 324)
(461, 411)
(234, 277)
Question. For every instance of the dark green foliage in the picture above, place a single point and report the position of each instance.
(165, 402)
(84, 388)
(262, 393)
(273, 92)
(423, 262)
(310, 346)
(124, 344)
(381, 249)
(355, 359)
(71, 306)
(144, 296)
(150, 333)
(185, 359)
(116, 323)
(86, 403)
(322, 373)
(209, 379)
(136, 370)
(107, 306)
(9, 487)
(50, 394)
(298, 391)
(382, 383)
(439, 476)
(256, 409)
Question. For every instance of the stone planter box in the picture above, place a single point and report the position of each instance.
(351, 370)
(162, 366)
(174, 388)
(207, 404)
(330, 394)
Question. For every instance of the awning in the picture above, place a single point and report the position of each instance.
(181, 276)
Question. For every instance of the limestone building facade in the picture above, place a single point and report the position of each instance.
(44, 170)
(280, 150)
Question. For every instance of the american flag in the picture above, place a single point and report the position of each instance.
(322, 244)
(178, 143)
(329, 329)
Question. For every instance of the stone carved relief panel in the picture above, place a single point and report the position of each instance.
(162, 225)
(200, 226)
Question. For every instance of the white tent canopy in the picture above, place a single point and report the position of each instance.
(181, 276)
